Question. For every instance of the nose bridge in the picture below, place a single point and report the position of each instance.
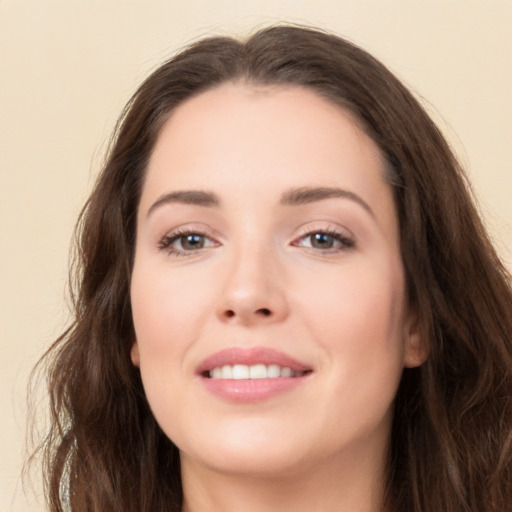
(253, 288)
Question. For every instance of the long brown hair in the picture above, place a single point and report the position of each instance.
(451, 446)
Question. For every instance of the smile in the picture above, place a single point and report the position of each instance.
(248, 375)
(255, 371)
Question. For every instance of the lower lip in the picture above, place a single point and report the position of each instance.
(251, 390)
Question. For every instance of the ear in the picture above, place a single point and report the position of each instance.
(134, 354)
(415, 348)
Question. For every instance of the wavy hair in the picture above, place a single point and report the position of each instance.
(451, 445)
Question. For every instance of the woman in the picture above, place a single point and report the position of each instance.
(285, 299)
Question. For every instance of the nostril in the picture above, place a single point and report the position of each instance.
(261, 312)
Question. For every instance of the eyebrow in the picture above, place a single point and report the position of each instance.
(193, 197)
(306, 195)
(292, 197)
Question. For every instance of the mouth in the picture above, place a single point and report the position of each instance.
(252, 372)
(251, 375)
(252, 363)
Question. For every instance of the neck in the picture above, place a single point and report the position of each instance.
(328, 486)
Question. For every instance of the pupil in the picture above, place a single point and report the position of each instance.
(322, 240)
(193, 242)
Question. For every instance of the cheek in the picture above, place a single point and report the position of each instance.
(363, 299)
(167, 309)
(167, 320)
(359, 322)
(360, 328)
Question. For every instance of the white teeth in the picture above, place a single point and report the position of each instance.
(286, 372)
(273, 371)
(256, 371)
(240, 371)
(227, 372)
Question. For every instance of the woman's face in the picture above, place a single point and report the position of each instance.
(268, 290)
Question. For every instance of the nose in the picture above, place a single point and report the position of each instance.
(254, 290)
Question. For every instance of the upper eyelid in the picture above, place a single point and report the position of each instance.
(325, 226)
(191, 228)
(303, 229)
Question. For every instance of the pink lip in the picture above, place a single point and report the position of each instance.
(251, 390)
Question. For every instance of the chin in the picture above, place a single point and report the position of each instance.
(255, 452)
(252, 463)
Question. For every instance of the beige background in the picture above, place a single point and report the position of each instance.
(67, 68)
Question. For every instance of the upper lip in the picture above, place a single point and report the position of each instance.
(249, 357)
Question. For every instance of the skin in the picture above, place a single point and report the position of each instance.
(260, 279)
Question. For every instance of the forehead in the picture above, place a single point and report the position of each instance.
(240, 135)
(245, 105)
(260, 115)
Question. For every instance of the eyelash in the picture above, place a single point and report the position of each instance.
(166, 244)
(345, 242)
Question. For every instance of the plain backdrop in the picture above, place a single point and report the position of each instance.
(67, 68)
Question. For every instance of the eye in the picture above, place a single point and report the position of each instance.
(180, 243)
(325, 241)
